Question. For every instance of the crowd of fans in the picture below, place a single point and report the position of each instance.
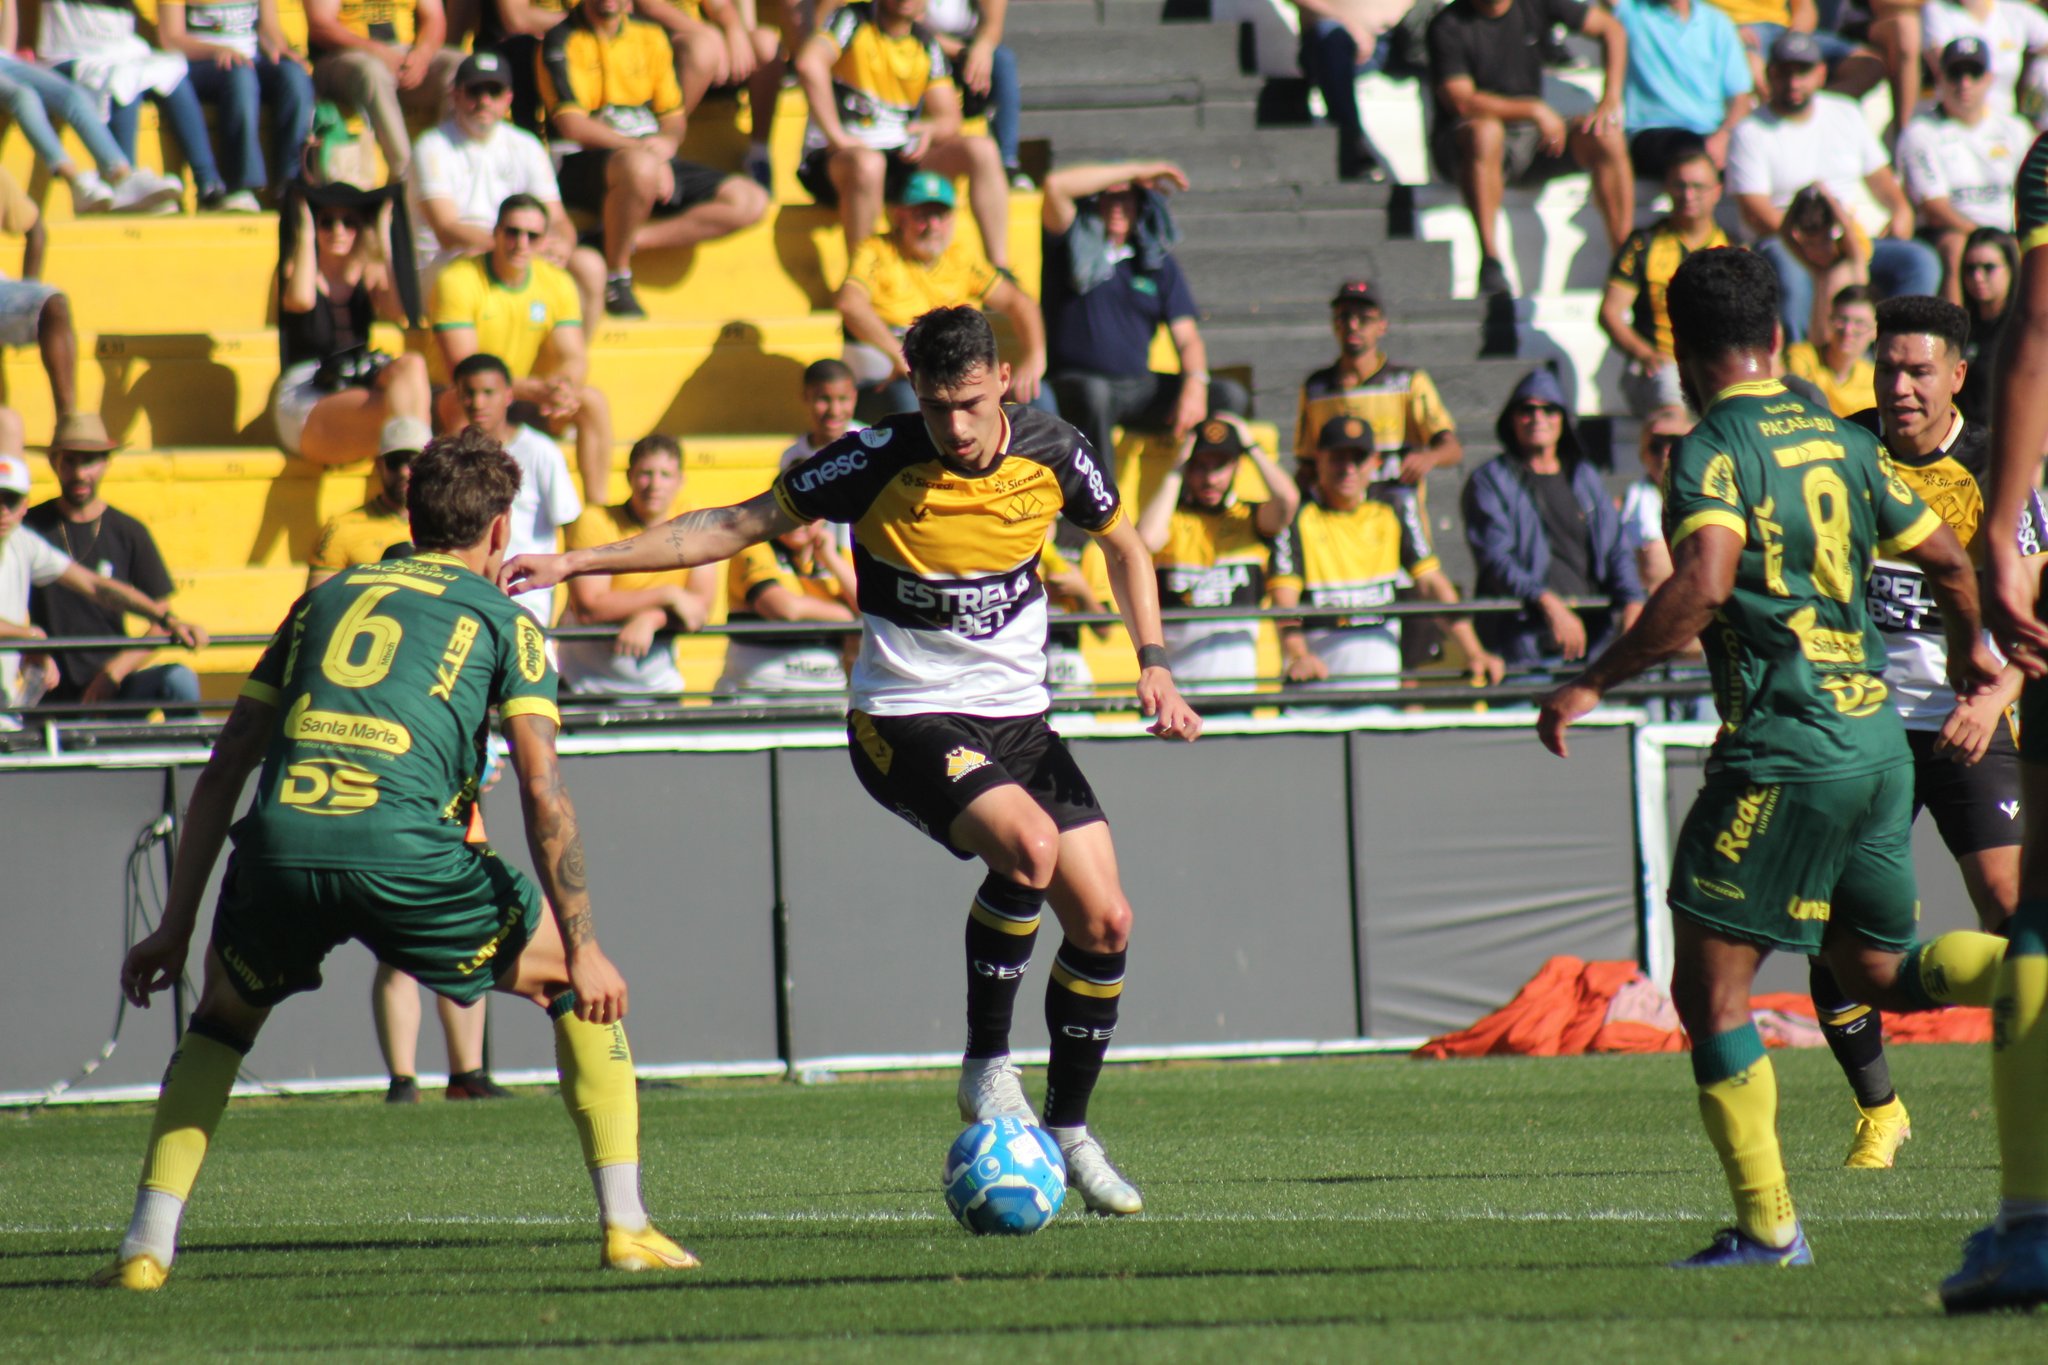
(566, 113)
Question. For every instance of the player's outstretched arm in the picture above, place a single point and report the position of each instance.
(684, 542)
(157, 961)
(556, 846)
(1702, 578)
(1972, 668)
(1136, 590)
(2019, 434)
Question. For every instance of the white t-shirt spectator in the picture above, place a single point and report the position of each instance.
(1642, 516)
(1972, 168)
(547, 502)
(476, 176)
(1832, 145)
(26, 561)
(2011, 31)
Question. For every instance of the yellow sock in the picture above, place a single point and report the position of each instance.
(195, 1091)
(1960, 968)
(1739, 1105)
(2019, 1058)
(596, 1067)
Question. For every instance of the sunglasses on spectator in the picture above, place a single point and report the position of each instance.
(1982, 267)
(1663, 446)
(398, 459)
(10, 499)
(485, 91)
(1538, 409)
(523, 234)
(330, 221)
(1971, 73)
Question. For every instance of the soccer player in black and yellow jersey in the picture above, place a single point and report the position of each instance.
(1799, 838)
(368, 715)
(950, 506)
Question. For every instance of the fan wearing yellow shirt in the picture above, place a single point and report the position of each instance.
(362, 535)
(1840, 365)
(917, 266)
(800, 576)
(514, 304)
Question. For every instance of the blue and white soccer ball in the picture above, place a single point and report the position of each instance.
(1004, 1175)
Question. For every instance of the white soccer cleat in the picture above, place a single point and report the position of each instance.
(1102, 1187)
(992, 1088)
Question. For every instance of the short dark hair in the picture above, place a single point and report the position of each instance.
(1723, 300)
(947, 344)
(659, 443)
(1850, 294)
(483, 362)
(515, 202)
(1924, 315)
(460, 484)
(819, 373)
(1687, 154)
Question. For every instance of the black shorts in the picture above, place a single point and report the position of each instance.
(582, 183)
(928, 768)
(1975, 805)
(814, 175)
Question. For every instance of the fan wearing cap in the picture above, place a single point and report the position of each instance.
(244, 65)
(1804, 137)
(1412, 430)
(362, 535)
(916, 266)
(1209, 549)
(2015, 38)
(29, 560)
(1958, 161)
(1542, 529)
(1355, 546)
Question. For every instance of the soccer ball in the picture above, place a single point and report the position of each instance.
(1005, 1175)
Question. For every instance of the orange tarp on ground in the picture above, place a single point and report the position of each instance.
(1571, 1007)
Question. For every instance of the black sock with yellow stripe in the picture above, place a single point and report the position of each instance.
(1855, 1034)
(1080, 1013)
(1002, 927)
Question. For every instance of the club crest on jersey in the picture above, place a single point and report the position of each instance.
(962, 761)
(874, 438)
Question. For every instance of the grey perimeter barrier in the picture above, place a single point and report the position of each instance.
(1299, 886)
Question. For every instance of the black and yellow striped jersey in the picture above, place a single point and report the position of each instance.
(386, 21)
(1214, 557)
(772, 564)
(952, 605)
(1398, 402)
(1646, 263)
(879, 82)
(628, 80)
(1348, 562)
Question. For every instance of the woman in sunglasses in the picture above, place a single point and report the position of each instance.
(1991, 261)
(335, 281)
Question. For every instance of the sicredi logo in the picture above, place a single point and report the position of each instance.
(837, 467)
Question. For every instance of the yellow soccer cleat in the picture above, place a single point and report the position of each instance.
(643, 1250)
(140, 1272)
(1878, 1134)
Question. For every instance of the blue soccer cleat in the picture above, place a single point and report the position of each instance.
(1733, 1246)
(2000, 1270)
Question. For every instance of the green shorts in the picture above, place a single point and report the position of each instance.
(454, 926)
(1775, 863)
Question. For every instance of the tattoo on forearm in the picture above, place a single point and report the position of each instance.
(558, 850)
(569, 867)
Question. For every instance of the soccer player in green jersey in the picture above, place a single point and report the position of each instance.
(368, 714)
(1799, 838)
(2005, 1264)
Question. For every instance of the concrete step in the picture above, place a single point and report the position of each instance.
(1331, 229)
(1261, 159)
(1258, 277)
(1069, 16)
(1298, 348)
(1116, 55)
(1143, 123)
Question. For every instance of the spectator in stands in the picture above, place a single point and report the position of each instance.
(1689, 82)
(515, 304)
(512, 30)
(1355, 544)
(32, 312)
(1632, 311)
(722, 44)
(387, 61)
(1991, 260)
(1957, 162)
(547, 500)
(467, 166)
(362, 535)
(335, 394)
(1839, 365)
(1492, 126)
(1068, 592)
(1412, 430)
(970, 33)
(882, 106)
(1211, 550)
(829, 396)
(1341, 40)
(608, 84)
(28, 561)
(646, 607)
(1853, 68)
(1800, 138)
(1542, 529)
(113, 545)
(30, 96)
(1642, 506)
(1110, 283)
(801, 576)
(94, 42)
(243, 64)
(916, 266)
(2015, 39)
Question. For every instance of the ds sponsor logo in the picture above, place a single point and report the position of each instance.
(838, 467)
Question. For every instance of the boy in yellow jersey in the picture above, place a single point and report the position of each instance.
(797, 577)
(361, 535)
(1799, 839)
(368, 716)
(950, 507)
(1838, 362)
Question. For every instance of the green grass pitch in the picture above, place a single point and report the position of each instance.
(1491, 1211)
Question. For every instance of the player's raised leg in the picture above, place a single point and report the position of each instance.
(1008, 830)
(1855, 1034)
